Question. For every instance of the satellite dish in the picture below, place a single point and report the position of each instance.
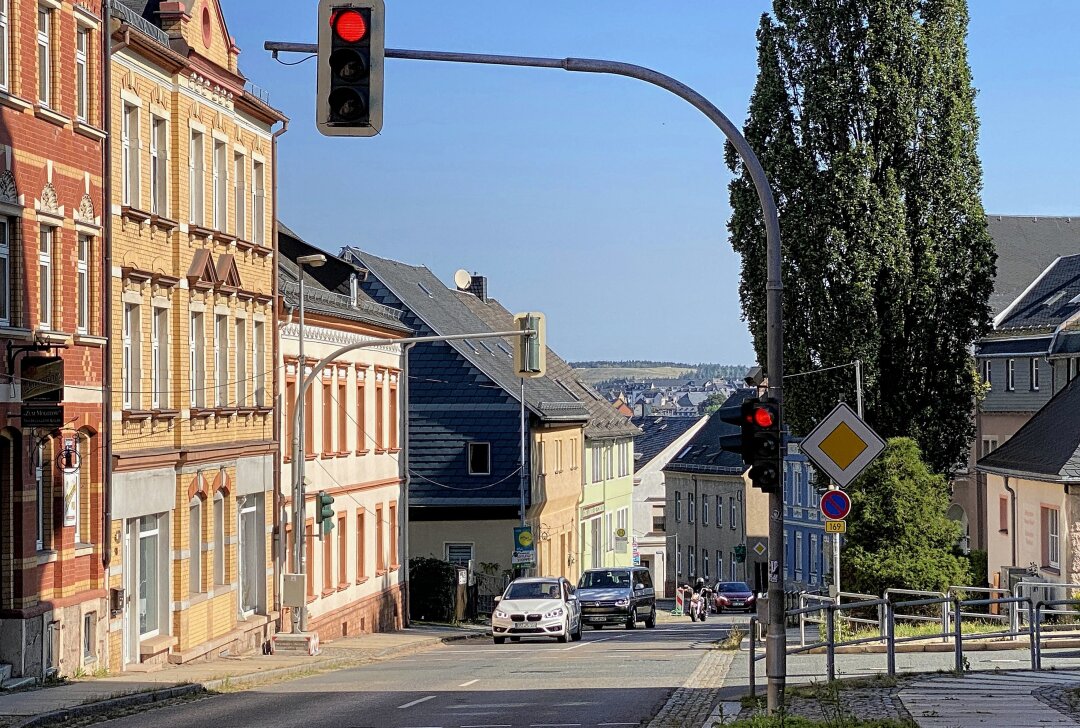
(462, 279)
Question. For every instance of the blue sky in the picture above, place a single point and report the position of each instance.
(602, 201)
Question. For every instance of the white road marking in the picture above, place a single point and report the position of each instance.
(416, 702)
(553, 725)
(467, 684)
(488, 725)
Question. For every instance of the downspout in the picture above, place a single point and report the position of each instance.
(106, 279)
(279, 534)
(406, 478)
(1014, 526)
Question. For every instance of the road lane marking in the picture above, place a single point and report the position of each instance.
(488, 725)
(416, 702)
(593, 642)
(467, 684)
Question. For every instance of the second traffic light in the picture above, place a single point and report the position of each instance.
(758, 441)
(530, 350)
(350, 75)
(324, 511)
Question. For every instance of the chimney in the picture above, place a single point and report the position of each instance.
(478, 287)
(172, 15)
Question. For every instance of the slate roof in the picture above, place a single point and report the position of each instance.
(326, 289)
(656, 434)
(441, 310)
(1054, 298)
(1047, 445)
(605, 421)
(703, 454)
(1025, 246)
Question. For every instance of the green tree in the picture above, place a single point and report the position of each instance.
(863, 117)
(898, 533)
(713, 402)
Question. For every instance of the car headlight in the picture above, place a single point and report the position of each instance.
(557, 612)
(751, 598)
(501, 614)
(622, 602)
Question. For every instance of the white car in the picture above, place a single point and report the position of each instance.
(537, 607)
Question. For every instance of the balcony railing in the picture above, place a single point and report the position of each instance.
(318, 295)
(135, 20)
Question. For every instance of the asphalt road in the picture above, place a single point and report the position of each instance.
(613, 677)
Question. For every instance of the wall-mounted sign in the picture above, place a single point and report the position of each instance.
(44, 416)
(42, 378)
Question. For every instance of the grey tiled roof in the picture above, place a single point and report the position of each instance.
(1025, 246)
(1048, 444)
(1052, 300)
(656, 434)
(439, 308)
(703, 453)
(605, 422)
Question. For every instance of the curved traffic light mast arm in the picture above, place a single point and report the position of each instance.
(776, 659)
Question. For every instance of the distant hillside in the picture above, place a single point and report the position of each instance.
(595, 372)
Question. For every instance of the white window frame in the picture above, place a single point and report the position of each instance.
(46, 241)
(458, 545)
(734, 513)
(5, 46)
(1010, 375)
(156, 565)
(678, 507)
(159, 357)
(814, 555)
(258, 203)
(219, 539)
(195, 544)
(1053, 539)
(798, 555)
(159, 166)
(82, 73)
(988, 371)
(704, 509)
(250, 506)
(220, 173)
(131, 141)
(240, 194)
(705, 563)
(82, 279)
(597, 464)
(197, 358)
(44, 54)
(6, 228)
(691, 507)
(240, 331)
(130, 374)
(719, 511)
(221, 360)
(197, 177)
(258, 356)
(1035, 374)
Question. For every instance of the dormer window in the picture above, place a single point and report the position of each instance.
(354, 289)
(1010, 375)
(1034, 374)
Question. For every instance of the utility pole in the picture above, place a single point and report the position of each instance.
(776, 640)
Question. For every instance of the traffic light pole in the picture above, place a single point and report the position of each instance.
(776, 641)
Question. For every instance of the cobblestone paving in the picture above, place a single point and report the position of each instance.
(691, 705)
(826, 704)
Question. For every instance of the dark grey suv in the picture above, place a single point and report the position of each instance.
(617, 595)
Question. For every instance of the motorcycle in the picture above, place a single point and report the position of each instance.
(699, 606)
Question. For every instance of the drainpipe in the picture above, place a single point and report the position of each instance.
(106, 299)
(406, 478)
(1014, 525)
(279, 533)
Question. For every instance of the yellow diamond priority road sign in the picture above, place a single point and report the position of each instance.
(842, 445)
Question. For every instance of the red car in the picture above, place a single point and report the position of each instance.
(732, 596)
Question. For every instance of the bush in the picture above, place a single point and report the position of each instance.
(432, 589)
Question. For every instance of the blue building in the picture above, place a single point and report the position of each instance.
(807, 548)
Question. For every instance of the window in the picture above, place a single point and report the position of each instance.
(4, 45)
(159, 166)
(393, 417)
(989, 444)
(705, 563)
(328, 413)
(1034, 374)
(1051, 544)
(380, 540)
(132, 359)
(479, 458)
(691, 507)
(6, 229)
(678, 562)
(197, 368)
(704, 510)
(89, 636)
(40, 475)
(240, 194)
(798, 555)
(258, 357)
(459, 553)
(342, 413)
(221, 187)
(814, 556)
(309, 417)
(1010, 375)
(82, 279)
(82, 76)
(219, 539)
(73, 502)
(159, 358)
(988, 371)
(195, 582)
(197, 178)
(719, 511)
(678, 506)
(241, 362)
(258, 202)
(734, 513)
(690, 563)
(609, 470)
(251, 558)
(597, 465)
(328, 561)
(624, 458)
(149, 577)
(45, 281)
(361, 537)
(658, 523)
(610, 531)
(129, 143)
(361, 437)
(720, 566)
(394, 561)
(290, 408)
(380, 430)
(343, 554)
(44, 55)
(221, 360)
(734, 567)
(309, 546)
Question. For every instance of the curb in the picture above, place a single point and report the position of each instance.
(176, 691)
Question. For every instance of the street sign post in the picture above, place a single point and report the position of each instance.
(835, 505)
(842, 445)
(524, 548)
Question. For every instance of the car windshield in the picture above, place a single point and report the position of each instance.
(604, 579)
(732, 586)
(533, 590)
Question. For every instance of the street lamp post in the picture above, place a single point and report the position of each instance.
(299, 537)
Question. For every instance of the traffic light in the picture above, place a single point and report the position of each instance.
(324, 513)
(530, 352)
(765, 447)
(742, 416)
(350, 76)
(740, 553)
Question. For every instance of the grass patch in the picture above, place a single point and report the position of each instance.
(733, 641)
(849, 631)
(790, 721)
(818, 691)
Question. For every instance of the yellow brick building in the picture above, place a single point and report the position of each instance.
(192, 332)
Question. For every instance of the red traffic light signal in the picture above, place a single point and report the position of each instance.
(763, 415)
(349, 25)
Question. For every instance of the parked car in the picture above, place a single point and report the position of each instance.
(536, 607)
(733, 596)
(617, 595)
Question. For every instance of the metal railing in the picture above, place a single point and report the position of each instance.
(129, 16)
(342, 300)
(257, 91)
(943, 619)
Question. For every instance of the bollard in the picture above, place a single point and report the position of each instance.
(958, 647)
(890, 638)
(830, 645)
(753, 660)
(1035, 637)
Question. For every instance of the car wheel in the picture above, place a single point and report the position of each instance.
(577, 634)
(650, 621)
(566, 632)
(631, 621)
(498, 640)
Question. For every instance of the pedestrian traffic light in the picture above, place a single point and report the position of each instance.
(740, 553)
(350, 76)
(765, 448)
(324, 511)
(530, 350)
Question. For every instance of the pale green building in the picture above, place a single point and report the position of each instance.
(607, 503)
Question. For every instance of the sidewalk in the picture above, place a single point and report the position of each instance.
(80, 697)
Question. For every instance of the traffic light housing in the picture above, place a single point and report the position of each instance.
(324, 511)
(740, 415)
(758, 441)
(349, 94)
(530, 351)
